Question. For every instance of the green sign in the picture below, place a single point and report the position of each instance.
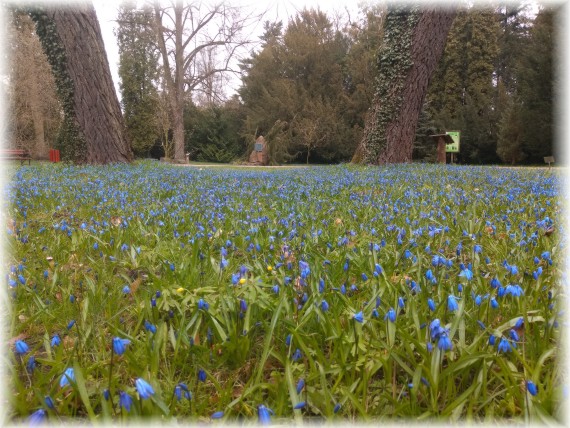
(454, 147)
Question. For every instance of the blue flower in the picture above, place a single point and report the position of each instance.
(299, 405)
(492, 340)
(125, 401)
(276, 289)
(126, 289)
(31, 365)
(444, 343)
(202, 375)
(178, 392)
(504, 346)
(435, 328)
(495, 283)
(300, 385)
(514, 290)
(242, 305)
(49, 402)
(21, 347)
(288, 340)
(297, 355)
(38, 417)
(467, 274)
(514, 336)
(324, 306)
(477, 248)
(391, 315)
(364, 277)
(217, 415)
(55, 341)
(401, 303)
(519, 323)
(106, 394)
(144, 388)
(359, 317)
(431, 305)
(452, 305)
(494, 303)
(67, 377)
(120, 345)
(149, 327)
(478, 300)
(71, 324)
(431, 277)
(531, 387)
(263, 414)
(337, 407)
(202, 304)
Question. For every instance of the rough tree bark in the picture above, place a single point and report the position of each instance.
(414, 43)
(97, 110)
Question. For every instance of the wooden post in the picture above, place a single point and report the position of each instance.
(442, 140)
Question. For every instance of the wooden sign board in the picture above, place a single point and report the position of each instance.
(453, 147)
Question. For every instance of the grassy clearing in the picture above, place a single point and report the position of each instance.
(420, 292)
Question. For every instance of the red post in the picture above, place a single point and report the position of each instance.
(57, 156)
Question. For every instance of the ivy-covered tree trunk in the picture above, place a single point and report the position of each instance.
(414, 41)
(94, 125)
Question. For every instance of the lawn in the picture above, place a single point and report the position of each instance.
(420, 292)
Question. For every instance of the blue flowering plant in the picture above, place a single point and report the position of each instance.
(334, 293)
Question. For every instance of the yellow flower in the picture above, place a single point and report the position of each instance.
(180, 290)
(269, 268)
(242, 281)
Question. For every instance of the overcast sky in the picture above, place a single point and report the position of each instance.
(276, 10)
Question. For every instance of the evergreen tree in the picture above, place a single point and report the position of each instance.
(535, 88)
(463, 96)
(138, 71)
(294, 91)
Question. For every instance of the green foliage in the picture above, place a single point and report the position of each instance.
(495, 84)
(462, 95)
(70, 140)
(304, 91)
(536, 88)
(509, 144)
(394, 62)
(213, 133)
(138, 72)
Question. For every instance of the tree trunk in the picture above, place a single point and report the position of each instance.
(414, 43)
(40, 148)
(96, 107)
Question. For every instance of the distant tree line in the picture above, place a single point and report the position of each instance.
(307, 88)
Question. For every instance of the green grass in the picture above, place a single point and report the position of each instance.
(214, 260)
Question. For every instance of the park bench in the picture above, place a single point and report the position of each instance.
(16, 154)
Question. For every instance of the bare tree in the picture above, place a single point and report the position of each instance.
(35, 110)
(184, 32)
